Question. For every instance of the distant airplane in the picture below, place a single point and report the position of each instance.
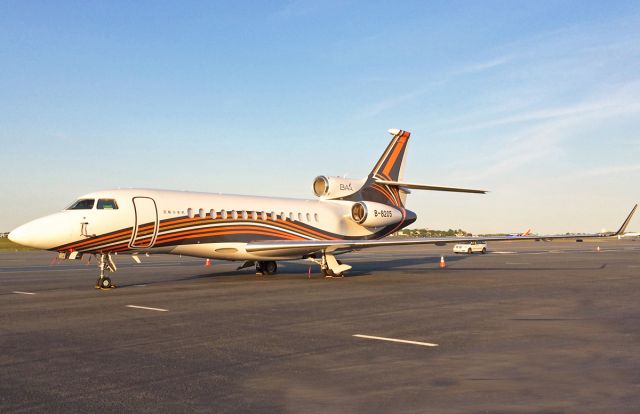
(526, 233)
(635, 234)
(348, 214)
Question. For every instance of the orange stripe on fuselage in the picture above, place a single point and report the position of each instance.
(100, 239)
(165, 237)
(223, 232)
(290, 225)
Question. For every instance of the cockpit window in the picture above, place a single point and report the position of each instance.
(83, 204)
(107, 204)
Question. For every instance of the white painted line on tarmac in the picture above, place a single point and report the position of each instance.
(147, 308)
(402, 341)
(19, 292)
(516, 263)
(503, 252)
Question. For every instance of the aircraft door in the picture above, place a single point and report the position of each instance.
(145, 228)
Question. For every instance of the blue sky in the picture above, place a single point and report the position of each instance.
(538, 102)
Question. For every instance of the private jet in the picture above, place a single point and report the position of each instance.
(346, 215)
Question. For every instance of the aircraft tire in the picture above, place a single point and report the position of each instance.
(105, 283)
(469, 251)
(270, 267)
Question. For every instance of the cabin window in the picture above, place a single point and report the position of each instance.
(272, 216)
(308, 217)
(201, 213)
(315, 216)
(107, 204)
(244, 215)
(282, 216)
(234, 215)
(254, 215)
(212, 213)
(223, 214)
(291, 215)
(263, 215)
(299, 216)
(190, 212)
(84, 204)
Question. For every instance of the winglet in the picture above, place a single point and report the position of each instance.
(626, 222)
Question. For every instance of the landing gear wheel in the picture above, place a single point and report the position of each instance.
(469, 251)
(270, 267)
(104, 283)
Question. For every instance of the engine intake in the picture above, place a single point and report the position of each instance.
(371, 214)
(329, 188)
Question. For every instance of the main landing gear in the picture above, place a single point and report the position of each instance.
(266, 268)
(330, 266)
(105, 262)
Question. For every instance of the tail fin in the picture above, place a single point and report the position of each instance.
(391, 165)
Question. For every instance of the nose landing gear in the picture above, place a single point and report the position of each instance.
(105, 262)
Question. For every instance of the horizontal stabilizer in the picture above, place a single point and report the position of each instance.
(430, 187)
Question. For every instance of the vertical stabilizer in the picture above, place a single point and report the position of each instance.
(390, 166)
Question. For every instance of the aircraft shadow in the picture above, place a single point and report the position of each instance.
(288, 270)
(297, 270)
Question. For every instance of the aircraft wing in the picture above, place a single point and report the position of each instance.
(312, 246)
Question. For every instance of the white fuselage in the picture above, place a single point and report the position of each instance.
(197, 224)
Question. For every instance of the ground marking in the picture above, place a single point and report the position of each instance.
(516, 263)
(22, 293)
(403, 341)
(503, 252)
(147, 308)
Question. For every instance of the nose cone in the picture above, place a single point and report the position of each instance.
(18, 236)
(43, 233)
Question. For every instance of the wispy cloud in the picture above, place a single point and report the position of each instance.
(377, 108)
(551, 128)
(482, 66)
(567, 111)
(611, 170)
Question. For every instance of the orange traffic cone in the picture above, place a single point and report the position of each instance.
(207, 262)
(443, 264)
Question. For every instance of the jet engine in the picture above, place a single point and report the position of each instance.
(371, 214)
(329, 188)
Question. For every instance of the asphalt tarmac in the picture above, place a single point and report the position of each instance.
(548, 327)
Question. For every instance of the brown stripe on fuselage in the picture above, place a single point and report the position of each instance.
(222, 232)
(291, 225)
(164, 237)
(107, 238)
